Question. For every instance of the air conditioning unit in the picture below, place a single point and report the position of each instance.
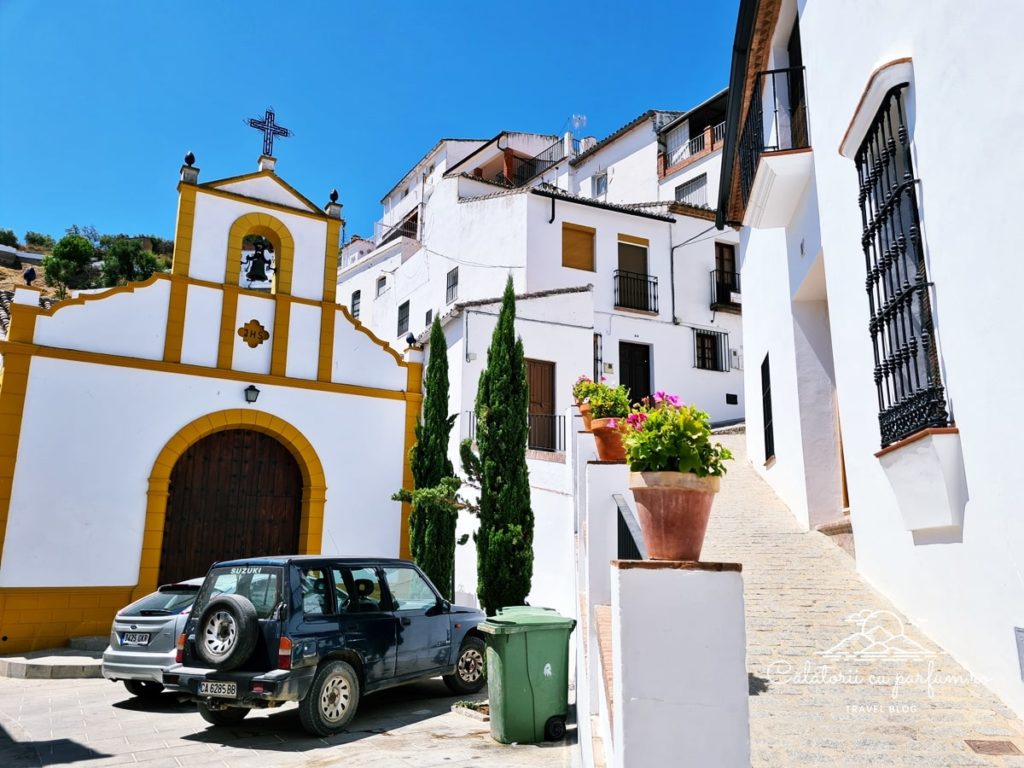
(737, 359)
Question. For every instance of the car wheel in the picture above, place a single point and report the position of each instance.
(229, 716)
(145, 689)
(469, 669)
(332, 699)
(227, 632)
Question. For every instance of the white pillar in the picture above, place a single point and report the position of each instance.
(679, 665)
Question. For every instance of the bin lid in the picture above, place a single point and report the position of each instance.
(525, 621)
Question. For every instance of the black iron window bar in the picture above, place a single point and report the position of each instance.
(634, 290)
(906, 372)
(778, 103)
(546, 431)
(523, 169)
(723, 285)
(598, 355)
(710, 350)
(452, 290)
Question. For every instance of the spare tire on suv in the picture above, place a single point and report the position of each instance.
(227, 632)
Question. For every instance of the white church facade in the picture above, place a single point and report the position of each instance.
(150, 429)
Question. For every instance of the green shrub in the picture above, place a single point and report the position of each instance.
(668, 436)
(609, 402)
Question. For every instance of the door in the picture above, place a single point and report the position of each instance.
(232, 494)
(725, 273)
(797, 97)
(540, 376)
(361, 609)
(423, 626)
(635, 369)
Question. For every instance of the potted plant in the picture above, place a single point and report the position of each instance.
(675, 472)
(609, 406)
(581, 391)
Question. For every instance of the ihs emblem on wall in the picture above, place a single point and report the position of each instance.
(253, 333)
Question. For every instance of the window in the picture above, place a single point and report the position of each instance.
(428, 318)
(578, 246)
(382, 283)
(907, 375)
(598, 352)
(452, 293)
(409, 591)
(694, 192)
(354, 304)
(314, 592)
(403, 318)
(357, 590)
(600, 184)
(710, 350)
(766, 410)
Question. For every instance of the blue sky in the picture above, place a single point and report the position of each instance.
(102, 99)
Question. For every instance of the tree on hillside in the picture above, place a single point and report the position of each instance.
(125, 261)
(89, 232)
(504, 541)
(39, 240)
(7, 237)
(69, 264)
(434, 501)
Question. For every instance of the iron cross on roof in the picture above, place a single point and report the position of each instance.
(270, 130)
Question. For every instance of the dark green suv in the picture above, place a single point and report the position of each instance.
(321, 631)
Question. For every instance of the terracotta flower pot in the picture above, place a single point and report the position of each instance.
(608, 440)
(673, 508)
(585, 413)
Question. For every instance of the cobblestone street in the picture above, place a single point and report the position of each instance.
(810, 708)
(96, 723)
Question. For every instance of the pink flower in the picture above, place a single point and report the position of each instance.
(604, 378)
(673, 400)
(659, 396)
(636, 420)
(613, 423)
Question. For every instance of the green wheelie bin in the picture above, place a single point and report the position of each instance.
(528, 673)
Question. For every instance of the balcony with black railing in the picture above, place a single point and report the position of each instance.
(725, 291)
(546, 431)
(521, 169)
(634, 290)
(776, 122)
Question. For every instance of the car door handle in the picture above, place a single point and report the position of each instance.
(406, 621)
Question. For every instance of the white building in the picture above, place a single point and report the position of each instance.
(612, 248)
(149, 430)
(875, 225)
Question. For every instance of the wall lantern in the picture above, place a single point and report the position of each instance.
(251, 393)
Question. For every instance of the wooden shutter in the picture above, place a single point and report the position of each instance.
(577, 246)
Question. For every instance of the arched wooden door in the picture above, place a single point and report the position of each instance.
(236, 493)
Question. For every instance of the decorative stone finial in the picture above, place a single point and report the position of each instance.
(334, 195)
(189, 173)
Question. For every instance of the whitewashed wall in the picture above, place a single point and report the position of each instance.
(962, 587)
(95, 487)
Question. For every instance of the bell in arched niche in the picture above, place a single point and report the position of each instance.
(257, 262)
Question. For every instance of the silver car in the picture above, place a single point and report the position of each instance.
(143, 636)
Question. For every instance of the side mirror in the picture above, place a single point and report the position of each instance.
(443, 606)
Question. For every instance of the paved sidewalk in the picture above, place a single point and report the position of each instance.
(848, 708)
(96, 723)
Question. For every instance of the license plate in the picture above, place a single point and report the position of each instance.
(224, 690)
(135, 638)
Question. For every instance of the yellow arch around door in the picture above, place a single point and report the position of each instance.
(314, 484)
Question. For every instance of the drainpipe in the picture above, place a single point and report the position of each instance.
(552, 210)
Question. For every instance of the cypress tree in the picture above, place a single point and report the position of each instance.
(429, 457)
(504, 541)
(434, 503)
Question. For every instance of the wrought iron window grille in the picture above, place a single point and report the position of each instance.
(907, 374)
